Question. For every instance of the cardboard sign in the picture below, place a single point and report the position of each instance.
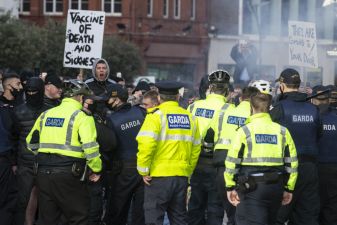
(302, 44)
(84, 38)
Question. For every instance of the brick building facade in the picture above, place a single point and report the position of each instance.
(172, 35)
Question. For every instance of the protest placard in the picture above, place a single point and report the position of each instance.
(84, 38)
(302, 44)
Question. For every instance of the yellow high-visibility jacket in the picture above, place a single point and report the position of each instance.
(233, 119)
(208, 109)
(168, 142)
(68, 131)
(262, 142)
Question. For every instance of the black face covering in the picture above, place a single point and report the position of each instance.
(36, 86)
(16, 92)
(92, 107)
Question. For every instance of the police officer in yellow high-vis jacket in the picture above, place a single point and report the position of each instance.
(262, 157)
(168, 151)
(65, 140)
(225, 129)
(204, 193)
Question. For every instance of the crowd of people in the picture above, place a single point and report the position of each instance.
(100, 152)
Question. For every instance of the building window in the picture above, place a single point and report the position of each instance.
(303, 10)
(149, 8)
(165, 8)
(78, 4)
(192, 9)
(257, 17)
(176, 9)
(112, 7)
(285, 16)
(53, 7)
(24, 7)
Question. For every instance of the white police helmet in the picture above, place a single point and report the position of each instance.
(263, 86)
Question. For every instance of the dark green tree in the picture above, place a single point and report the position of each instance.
(19, 44)
(122, 56)
(24, 46)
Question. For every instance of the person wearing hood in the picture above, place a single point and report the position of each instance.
(25, 115)
(100, 77)
(303, 121)
(53, 90)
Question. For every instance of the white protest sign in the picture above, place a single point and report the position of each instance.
(302, 44)
(84, 38)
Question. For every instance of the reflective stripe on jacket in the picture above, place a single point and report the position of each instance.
(168, 142)
(262, 143)
(233, 119)
(68, 131)
(207, 109)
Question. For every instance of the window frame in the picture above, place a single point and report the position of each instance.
(79, 4)
(149, 14)
(193, 10)
(21, 12)
(177, 8)
(54, 12)
(112, 12)
(166, 8)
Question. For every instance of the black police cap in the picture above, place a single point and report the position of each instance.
(320, 88)
(289, 76)
(169, 87)
(116, 91)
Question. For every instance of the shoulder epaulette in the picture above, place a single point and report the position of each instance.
(86, 113)
(152, 112)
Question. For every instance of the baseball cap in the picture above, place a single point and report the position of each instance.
(54, 80)
(142, 86)
(116, 91)
(289, 76)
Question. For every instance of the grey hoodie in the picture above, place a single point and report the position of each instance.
(99, 87)
(93, 70)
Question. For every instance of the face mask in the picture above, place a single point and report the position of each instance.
(92, 107)
(16, 92)
(35, 100)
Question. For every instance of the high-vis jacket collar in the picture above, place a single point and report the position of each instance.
(216, 96)
(72, 103)
(262, 116)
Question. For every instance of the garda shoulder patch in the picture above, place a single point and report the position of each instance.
(240, 121)
(265, 139)
(54, 122)
(178, 121)
(207, 113)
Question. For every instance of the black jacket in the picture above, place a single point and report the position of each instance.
(126, 122)
(107, 141)
(302, 120)
(25, 118)
(51, 103)
(8, 133)
(98, 87)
